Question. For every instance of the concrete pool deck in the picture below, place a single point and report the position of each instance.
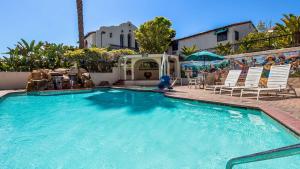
(285, 111)
(5, 92)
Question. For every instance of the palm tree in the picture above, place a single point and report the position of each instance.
(80, 23)
(186, 51)
(27, 53)
(291, 25)
(224, 49)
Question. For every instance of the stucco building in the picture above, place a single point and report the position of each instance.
(90, 39)
(210, 39)
(115, 37)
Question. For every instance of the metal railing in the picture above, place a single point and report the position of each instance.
(265, 155)
(269, 43)
(262, 44)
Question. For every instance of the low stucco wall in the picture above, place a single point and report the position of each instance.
(110, 77)
(99, 77)
(18, 80)
(13, 80)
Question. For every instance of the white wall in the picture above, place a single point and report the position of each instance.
(110, 77)
(90, 40)
(204, 41)
(243, 30)
(209, 39)
(127, 28)
(13, 80)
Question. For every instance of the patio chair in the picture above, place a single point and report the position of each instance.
(192, 81)
(230, 81)
(252, 80)
(195, 81)
(277, 81)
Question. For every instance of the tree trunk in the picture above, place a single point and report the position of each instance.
(297, 39)
(80, 23)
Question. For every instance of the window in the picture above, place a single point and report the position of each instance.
(174, 45)
(129, 40)
(222, 36)
(122, 40)
(110, 35)
(236, 35)
(136, 45)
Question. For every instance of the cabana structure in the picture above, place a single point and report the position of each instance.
(146, 69)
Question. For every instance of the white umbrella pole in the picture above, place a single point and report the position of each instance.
(163, 65)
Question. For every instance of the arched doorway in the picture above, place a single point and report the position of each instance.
(146, 69)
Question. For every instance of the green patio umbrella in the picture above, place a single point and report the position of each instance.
(204, 56)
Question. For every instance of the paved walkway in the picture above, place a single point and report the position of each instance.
(286, 111)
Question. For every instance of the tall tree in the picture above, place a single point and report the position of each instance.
(254, 41)
(155, 35)
(80, 23)
(291, 25)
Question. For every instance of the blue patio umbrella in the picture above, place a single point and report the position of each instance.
(204, 56)
(199, 65)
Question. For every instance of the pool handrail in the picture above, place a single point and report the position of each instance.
(265, 155)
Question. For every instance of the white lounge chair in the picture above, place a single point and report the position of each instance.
(277, 81)
(252, 80)
(231, 80)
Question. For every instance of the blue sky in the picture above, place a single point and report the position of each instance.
(55, 20)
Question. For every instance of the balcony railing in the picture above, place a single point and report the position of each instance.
(256, 45)
(272, 42)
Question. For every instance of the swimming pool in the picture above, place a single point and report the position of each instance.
(109, 128)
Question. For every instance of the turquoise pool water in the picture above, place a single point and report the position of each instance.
(121, 129)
